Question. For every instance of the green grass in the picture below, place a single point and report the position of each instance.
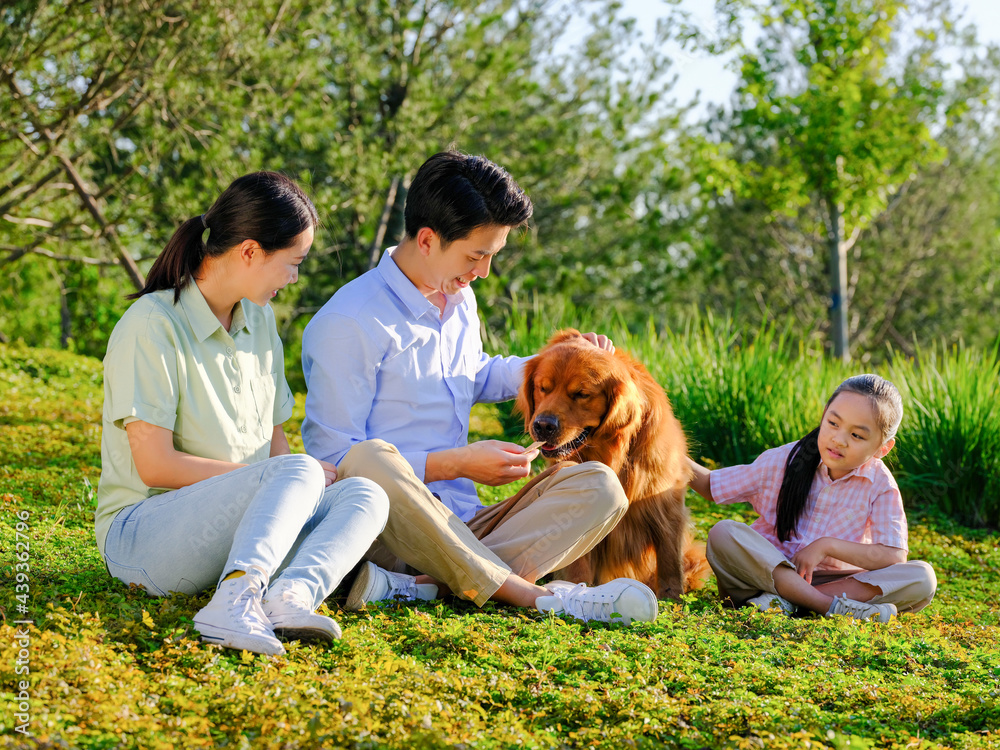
(953, 430)
(112, 667)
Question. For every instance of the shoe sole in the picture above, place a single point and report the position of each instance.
(357, 598)
(238, 641)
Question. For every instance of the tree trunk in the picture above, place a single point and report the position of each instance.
(65, 317)
(375, 252)
(90, 203)
(396, 227)
(838, 283)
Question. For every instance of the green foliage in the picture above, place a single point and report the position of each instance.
(952, 430)
(640, 211)
(347, 98)
(111, 666)
(848, 137)
(842, 127)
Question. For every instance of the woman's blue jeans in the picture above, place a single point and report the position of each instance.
(275, 515)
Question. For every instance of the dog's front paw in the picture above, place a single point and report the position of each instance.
(670, 592)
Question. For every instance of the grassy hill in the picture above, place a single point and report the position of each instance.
(108, 666)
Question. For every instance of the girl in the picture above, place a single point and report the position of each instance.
(831, 536)
(198, 485)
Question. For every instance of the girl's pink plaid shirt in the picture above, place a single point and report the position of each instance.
(864, 506)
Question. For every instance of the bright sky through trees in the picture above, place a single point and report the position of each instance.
(708, 74)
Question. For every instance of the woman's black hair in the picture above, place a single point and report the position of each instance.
(263, 206)
(800, 467)
(455, 194)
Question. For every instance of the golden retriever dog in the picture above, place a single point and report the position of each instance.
(588, 404)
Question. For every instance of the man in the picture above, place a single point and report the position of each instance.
(393, 365)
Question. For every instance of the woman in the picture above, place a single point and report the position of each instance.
(198, 485)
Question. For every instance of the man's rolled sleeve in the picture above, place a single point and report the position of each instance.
(418, 460)
(498, 378)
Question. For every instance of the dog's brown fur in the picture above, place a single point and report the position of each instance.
(591, 405)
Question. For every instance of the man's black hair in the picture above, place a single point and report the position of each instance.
(455, 193)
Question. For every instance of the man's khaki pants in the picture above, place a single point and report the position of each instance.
(556, 518)
(744, 564)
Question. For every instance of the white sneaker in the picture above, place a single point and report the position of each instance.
(288, 606)
(766, 601)
(621, 600)
(234, 619)
(861, 610)
(375, 585)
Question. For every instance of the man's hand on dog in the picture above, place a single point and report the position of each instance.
(600, 341)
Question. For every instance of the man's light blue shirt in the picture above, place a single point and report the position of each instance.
(381, 361)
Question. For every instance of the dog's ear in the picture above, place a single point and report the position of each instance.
(566, 334)
(525, 403)
(624, 405)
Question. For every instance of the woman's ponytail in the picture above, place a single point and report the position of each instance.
(175, 266)
(800, 469)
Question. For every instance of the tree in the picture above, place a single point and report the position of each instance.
(830, 133)
(121, 118)
(99, 99)
(593, 137)
(155, 107)
(922, 266)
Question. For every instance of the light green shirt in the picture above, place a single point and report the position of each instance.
(174, 366)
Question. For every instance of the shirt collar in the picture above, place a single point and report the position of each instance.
(403, 288)
(866, 471)
(201, 318)
(240, 318)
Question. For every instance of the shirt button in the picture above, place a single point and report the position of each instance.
(236, 388)
(229, 350)
(243, 428)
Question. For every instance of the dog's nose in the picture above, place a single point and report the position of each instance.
(545, 427)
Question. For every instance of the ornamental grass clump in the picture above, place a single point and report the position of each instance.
(738, 391)
(948, 456)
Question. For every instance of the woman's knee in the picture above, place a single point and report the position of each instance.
(367, 493)
(297, 465)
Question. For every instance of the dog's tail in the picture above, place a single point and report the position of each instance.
(696, 567)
